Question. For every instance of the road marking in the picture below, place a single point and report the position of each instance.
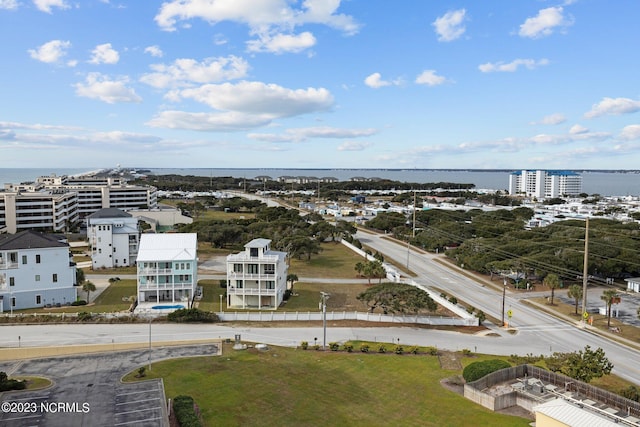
(137, 401)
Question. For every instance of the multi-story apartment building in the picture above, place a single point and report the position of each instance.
(545, 184)
(257, 277)
(114, 238)
(56, 203)
(167, 268)
(35, 271)
(37, 210)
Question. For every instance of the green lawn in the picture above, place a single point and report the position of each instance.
(342, 297)
(336, 261)
(288, 387)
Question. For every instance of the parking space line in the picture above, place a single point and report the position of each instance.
(138, 392)
(137, 410)
(138, 421)
(137, 401)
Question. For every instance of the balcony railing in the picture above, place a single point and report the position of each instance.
(243, 256)
(247, 276)
(8, 264)
(164, 286)
(231, 290)
(155, 271)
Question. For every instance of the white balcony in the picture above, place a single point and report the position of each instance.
(243, 257)
(154, 271)
(231, 290)
(247, 276)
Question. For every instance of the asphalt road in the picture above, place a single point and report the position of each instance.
(536, 332)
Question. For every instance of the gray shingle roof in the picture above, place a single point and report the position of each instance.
(29, 240)
(110, 213)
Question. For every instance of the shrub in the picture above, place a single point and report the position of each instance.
(142, 372)
(348, 348)
(414, 350)
(6, 384)
(79, 302)
(466, 352)
(184, 409)
(399, 349)
(477, 370)
(223, 283)
(364, 348)
(334, 346)
(316, 347)
(432, 351)
(382, 348)
(453, 300)
(192, 315)
(83, 316)
(304, 345)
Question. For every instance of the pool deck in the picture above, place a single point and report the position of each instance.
(147, 308)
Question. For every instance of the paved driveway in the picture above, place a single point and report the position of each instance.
(87, 390)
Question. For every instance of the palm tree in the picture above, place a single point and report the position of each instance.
(609, 296)
(292, 278)
(552, 281)
(359, 268)
(88, 287)
(575, 292)
(79, 276)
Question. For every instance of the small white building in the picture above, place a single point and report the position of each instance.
(35, 271)
(167, 270)
(633, 284)
(257, 277)
(114, 237)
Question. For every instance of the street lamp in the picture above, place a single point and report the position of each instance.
(323, 303)
(149, 359)
(504, 289)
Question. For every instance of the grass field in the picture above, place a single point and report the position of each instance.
(289, 387)
(336, 261)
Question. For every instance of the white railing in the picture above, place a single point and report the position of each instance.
(152, 271)
(250, 291)
(243, 256)
(7, 265)
(292, 316)
(164, 286)
(251, 276)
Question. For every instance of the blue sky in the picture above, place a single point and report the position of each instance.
(320, 84)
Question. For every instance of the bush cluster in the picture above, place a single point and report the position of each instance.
(477, 370)
(79, 302)
(184, 409)
(184, 315)
(6, 384)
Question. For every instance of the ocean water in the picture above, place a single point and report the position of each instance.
(609, 183)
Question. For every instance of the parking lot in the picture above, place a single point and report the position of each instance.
(87, 390)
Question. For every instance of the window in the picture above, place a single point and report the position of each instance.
(188, 266)
(37, 277)
(55, 278)
(24, 259)
(13, 257)
(237, 268)
(269, 269)
(13, 301)
(239, 284)
(38, 299)
(252, 268)
(253, 252)
(271, 284)
(37, 259)
(12, 281)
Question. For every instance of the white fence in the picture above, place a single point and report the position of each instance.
(292, 316)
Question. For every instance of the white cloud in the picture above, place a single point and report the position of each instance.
(8, 4)
(512, 66)
(551, 119)
(303, 134)
(104, 54)
(450, 26)
(630, 133)
(375, 81)
(544, 23)
(281, 43)
(101, 87)
(50, 52)
(154, 51)
(260, 98)
(185, 71)
(263, 18)
(613, 106)
(354, 146)
(212, 122)
(578, 129)
(430, 78)
(46, 5)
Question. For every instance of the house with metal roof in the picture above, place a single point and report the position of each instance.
(167, 272)
(36, 270)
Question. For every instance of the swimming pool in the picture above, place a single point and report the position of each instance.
(167, 307)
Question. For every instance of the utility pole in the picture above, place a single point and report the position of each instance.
(324, 296)
(585, 275)
(504, 290)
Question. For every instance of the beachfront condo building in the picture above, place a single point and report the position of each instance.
(544, 184)
(42, 210)
(36, 270)
(257, 277)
